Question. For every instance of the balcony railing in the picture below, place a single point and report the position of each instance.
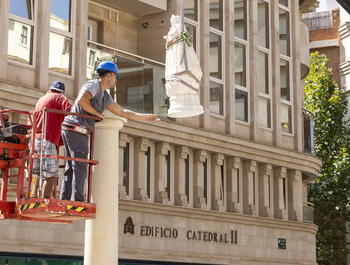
(308, 212)
(309, 144)
(141, 86)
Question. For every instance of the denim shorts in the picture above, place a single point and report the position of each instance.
(49, 165)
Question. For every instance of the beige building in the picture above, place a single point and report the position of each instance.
(226, 187)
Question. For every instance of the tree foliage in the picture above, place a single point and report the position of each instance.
(330, 192)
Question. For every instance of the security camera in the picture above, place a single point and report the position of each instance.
(145, 25)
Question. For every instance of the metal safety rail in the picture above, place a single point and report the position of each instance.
(15, 155)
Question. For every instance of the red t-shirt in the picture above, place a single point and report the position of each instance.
(52, 100)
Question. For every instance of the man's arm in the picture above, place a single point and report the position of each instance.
(84, 102)
(118, 110)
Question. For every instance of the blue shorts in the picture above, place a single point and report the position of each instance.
(49, 165)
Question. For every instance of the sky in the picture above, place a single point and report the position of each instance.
(327, 5)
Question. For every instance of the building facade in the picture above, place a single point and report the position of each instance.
(226, 187)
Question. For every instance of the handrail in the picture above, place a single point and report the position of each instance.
(127, 53)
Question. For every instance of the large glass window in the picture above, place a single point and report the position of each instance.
(205, 180)
(240, 19)
(286, 118)
(240, 65)
(60, 53)
(60, 16)
(187, 177)
(216, 98)
(263, 24)
(264, 112)
(215, 14)
(148, 171)
(167, 174)
(191, 29)
(263, 73)
(22, 8)
(215, 56)
(190, 9)
(284, 32)
(61, 38)
(20, 31)
(284, 79)
(241, 105)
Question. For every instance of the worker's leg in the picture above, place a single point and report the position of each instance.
(48, 186)
(50, 169)
(81, 150)
(66, 188)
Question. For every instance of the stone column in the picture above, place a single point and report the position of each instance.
(181, 153)
(295, 204)
(217, 203)
(199, 158)
(280, 195)
(250, 188)
(101, 234)
(265, 190)
(161, 196)
(4, 22)
(234, 185)
(122, 144)
(42, 45)
(140, 191)
(81, 45)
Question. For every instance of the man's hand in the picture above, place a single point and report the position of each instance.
(152, 117)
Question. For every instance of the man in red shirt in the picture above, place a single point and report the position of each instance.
(48, 139)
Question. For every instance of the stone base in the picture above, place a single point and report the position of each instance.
(184, 106)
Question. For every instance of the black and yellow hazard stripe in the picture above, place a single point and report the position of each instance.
(77, 209)
(31, 206)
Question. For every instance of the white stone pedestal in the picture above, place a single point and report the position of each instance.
(101, 234)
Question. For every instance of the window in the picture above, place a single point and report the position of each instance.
(167, 174)
(216, 57)
(187, 177)
(205, 180)
(61, 37)
(216, 98)
(215, 14)
(284, 32)
(91, 58)
(126, 165)
(191, 20)
(263, 24)
(24, 35)
(241, 105)
(284, 79)
(240, 19)
(190, 9)
(240, 66)
(20, 31)
(148, 171)
(264, 91)
(286, 118)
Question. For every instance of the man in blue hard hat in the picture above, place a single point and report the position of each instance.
(54, 99)
(92, 100)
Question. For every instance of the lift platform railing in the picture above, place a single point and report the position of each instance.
(14, 155)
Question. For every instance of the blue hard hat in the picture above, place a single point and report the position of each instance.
(57, 86)
(105, 65)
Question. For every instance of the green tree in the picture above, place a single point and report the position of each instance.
(330, 192)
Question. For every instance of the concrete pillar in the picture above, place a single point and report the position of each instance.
(181, 153)
(280, 193)
(42, 45)
(199, 157)
(4, 22)
(101, 234)
(295, 204)
(161, 196)
(140, 191)
(234, 185)
(250, 188)
(80, 46)
(265, 190)
(217, 185)
(122, 144)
